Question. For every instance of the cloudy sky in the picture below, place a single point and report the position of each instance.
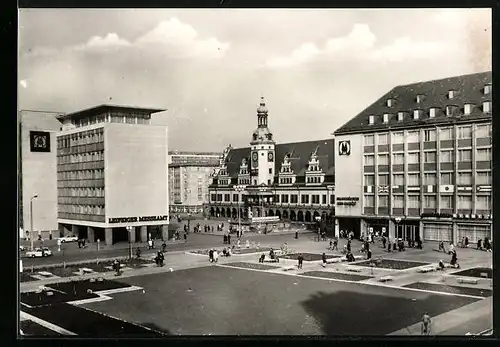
(209, 68)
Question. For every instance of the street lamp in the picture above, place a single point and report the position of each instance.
(397, 220)
(31, 218)
(239, 188)
(129, 229)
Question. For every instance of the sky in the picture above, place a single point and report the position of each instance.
(209, 68)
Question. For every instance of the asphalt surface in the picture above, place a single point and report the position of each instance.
(224, 301)
(72, 253)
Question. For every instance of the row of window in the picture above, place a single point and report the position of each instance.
(114, 117)
(82, 209)
(413, 136)
(81, 192)
(446, 178)
(80, 158)
(315, 179)
(83, 138)
(285, 198)
(80, 175)
(464, 202)
(445, 156)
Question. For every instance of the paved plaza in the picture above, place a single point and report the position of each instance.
(240, 296)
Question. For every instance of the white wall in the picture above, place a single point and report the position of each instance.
(349, 175)
(39, 172)
(136, 171)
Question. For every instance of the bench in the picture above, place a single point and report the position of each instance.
(83, 271)
(352, 269)
(467, 280)
(333, 260)
(269, 260)
(289, 268)
(426, 269)
(385, 279)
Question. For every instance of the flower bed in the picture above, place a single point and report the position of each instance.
(235, 250)
(308, 256)
(478, 272)
(252, 266)
(391, 264)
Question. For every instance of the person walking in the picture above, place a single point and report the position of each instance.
(384, 241)
(229, 239)
(211, 255)
(300, 259)
(348, 245)
(368, 254)
(216, 256)
(426, 324)
(323, 258)
(335, 245)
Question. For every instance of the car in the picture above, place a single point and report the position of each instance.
(71, 238)
(39, 252)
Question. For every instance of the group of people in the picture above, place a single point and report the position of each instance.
(213, 254)
(346, 234)
(484, 246)
(272, 256)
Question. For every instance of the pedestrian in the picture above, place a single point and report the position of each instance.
(441, 265)
(238, 244)
(212, 228)
(426, 324)
(247, 244)
(138, 252)
(480, 244)
(331, 245)
(419, 244)
(211, 255)
(451, 249)
(441, 246)
(466, 242)
(367, 246)
(323, 258)
(296, 235)
(229, 239)
(216, 256)
(163, 247)
(335, 244)
(300, 259)
(224, 239)
(368, 254)
(388, 245)
(394, 246)
(262, 257)
(185, 236)
(454, 260)
(384, 241)
(348, 245)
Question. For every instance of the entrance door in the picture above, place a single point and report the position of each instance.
(399, 231)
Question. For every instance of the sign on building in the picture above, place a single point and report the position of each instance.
(39, 141)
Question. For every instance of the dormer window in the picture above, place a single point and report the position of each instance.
(433, 112)
(449, 110)
(390, 102)
(371, 120)
(420, 98)
(468, 109)
(487, 89)
(487, 107)
(401, 116)
(386, 117)
(451, 94)
(416, 114)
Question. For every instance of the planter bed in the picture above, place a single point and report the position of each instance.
(25, 277)
(41, 299)
(82, 286)
(476, 272)
(309, 256)
(392, 264)
(252, 266)
(235, 251)
(451, 289)
(336, 275)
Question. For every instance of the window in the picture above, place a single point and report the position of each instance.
(383, 201)
(430, 135)
(369, 180)
(451, 94)
(386, 117)
(429, 201)
(398, 201)
(487, 89)
(413, 136)
(398, 159)
(398, 137)
(483, 202)
(270, 170)
(369, 201)
(398, 179)
(483, 154)
(464, 155)
(324, 199)
(235, 197)
(483, 130)
(465, 178)
(446, 134)
(413, 158)
(465, 202)
(465, 132)
(226, 197)
(468, 109)
(383, 159)
(420, 98)
(390, 102)
(446, 156)
(369, 140)
(429, 179)
(446, 178)
(416, 114)
(487, 106)
(483, 178)
(284, 198)
(413, 179)
(315, 199)
(383, 180)
(371, 119)
(432, 112)
(369, 160)
(382, 139)
(304, 199)
(332, 199)
(413, 201)
(429, 157)
(294, 198)
(446, 202)
(401, 116)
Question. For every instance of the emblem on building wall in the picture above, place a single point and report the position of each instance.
(344, 147)
(39, 141)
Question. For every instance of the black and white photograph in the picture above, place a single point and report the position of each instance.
(254, 172)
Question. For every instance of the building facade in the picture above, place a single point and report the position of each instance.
(190, 174)
(417, 163)
(112, 174)
(37, 170)
(294, 181)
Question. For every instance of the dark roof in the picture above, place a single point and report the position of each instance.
(300, 153)
(468, 89)
(107, 107)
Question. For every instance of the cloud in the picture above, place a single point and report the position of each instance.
(360, 44)
(110, 40)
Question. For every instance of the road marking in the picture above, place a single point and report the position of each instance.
(47, 325)
(376, 284)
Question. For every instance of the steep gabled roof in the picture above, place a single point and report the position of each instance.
(468, 88)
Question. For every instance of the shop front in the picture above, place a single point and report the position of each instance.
(474, 231)
(407, 230)
(438, 231)
(348, 224)
(377, 225)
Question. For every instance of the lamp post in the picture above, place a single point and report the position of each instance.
(397, 220)
(239, 188)
(31, 218)
(129, 229)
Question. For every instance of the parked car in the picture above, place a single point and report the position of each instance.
(71, 238)
(39, 252)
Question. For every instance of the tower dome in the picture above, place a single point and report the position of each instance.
(262, 107)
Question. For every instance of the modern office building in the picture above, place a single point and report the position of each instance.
(37, 170)
(294, 181)
(112, 174)
(190, 174)
(417, 162)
